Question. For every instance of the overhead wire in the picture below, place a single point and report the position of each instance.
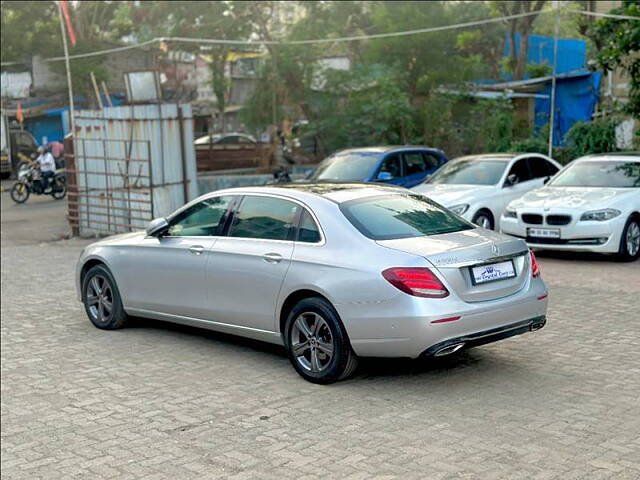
(211, 41)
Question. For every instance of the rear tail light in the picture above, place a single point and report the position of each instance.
(535, 270)
(419, 282)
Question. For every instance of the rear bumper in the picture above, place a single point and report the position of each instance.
(487, 336)
(408, 327)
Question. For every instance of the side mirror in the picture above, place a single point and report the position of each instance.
(384, 176)
(546, 180)
(157, 227)
(511, 180)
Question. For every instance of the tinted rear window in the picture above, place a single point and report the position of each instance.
(388, 217)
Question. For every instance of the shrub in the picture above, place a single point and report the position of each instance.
(598, 136)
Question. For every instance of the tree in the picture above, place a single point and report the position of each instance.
(424, 60)
(29, 28)
(618, 44)
(224, 20)
(523, 26)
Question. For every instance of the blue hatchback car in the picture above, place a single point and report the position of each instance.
(405, 166)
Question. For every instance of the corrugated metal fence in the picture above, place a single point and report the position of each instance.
(130, 164)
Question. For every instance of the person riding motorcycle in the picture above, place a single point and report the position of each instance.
(47, 165)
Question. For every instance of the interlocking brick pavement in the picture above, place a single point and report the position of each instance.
(156, 401)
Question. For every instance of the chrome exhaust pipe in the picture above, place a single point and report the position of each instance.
(448, 350)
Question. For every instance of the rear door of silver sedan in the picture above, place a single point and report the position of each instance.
(246, 269)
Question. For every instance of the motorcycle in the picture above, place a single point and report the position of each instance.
(29, 181)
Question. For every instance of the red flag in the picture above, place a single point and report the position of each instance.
(19, 115)
(64, 5)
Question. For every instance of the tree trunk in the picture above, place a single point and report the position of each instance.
(521, 64)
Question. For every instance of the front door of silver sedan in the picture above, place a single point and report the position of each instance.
(247, 267)
(168, 273)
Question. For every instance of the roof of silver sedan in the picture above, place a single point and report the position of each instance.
(334, 191)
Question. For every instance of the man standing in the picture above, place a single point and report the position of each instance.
(47, 167)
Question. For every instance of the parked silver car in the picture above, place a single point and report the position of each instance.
(330, 271)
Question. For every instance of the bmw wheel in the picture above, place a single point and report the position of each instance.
(318, 345)
(102, 300)
(630, 242)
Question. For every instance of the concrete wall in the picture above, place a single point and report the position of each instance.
(45, 78)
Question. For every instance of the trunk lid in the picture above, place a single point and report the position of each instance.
(454, 255)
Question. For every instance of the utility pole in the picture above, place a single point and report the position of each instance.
(552, 107)
(66, 61)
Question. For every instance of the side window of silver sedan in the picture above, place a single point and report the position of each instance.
(308, 231)
(204, 219)
(266, 218)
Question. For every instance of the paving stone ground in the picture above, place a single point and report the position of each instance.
(157, 401)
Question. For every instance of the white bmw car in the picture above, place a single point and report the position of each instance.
(592, 205)
(479, 187)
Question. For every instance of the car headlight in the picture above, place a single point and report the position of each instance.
(509, 213)
(600, 215)
(459, 209)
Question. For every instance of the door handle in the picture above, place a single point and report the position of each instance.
(272, 257)
(196, 249)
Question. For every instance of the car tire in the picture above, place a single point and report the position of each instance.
(102, 300)
(317, 342)
(484, 219)
(629, 249)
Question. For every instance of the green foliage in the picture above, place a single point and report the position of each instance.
(461, 124)
(618, 43)
(365, 106)
(29, 28)
(598, 136)
(537, 70)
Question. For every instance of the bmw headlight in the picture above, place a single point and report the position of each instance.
(510, 213)
(600, 215)
(459, 209)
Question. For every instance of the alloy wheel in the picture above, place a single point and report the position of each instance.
(99, 299)
(484, 222)
(312, 342)
(633, 238)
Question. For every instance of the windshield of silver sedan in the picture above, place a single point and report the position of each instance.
(470, 172)
(604, 174)
(387, 217)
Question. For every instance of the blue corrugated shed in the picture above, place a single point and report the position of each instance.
(572, 53)
(577, 89)
(576, 99)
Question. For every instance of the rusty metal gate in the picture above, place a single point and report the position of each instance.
(110, 185)
(127, 165)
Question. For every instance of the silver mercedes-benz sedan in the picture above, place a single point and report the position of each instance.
(331, 271)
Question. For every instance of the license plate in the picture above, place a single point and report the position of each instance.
(543, 232)
(493, 272)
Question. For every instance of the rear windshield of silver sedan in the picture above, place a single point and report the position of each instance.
(387, 217)
(599, 174)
